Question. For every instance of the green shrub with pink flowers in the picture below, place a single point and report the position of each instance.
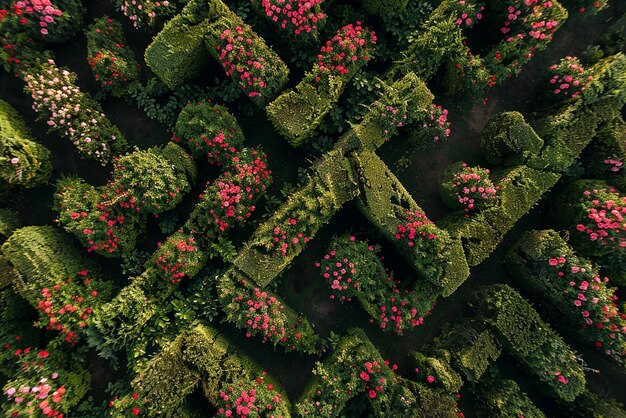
(544, 264)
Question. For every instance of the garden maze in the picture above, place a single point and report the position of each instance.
(226, 227)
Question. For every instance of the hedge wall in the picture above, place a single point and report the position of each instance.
(296, 113)
(179, 52)
(503, 398)
(201, 354)
(386, 203)
(605, 156)
(546, 267)
(531, 341)
(23, 161)
(42, 256)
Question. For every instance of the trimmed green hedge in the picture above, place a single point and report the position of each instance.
(23, 161)
(42, 256)
(298, 112)
(9, 222)
(544, 265)
(508, 140)
(180, 51)
(606, 151)
(503, 398)
(386, 203)
(271, 318)
(531, 341)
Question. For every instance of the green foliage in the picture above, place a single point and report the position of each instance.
(23, 161)
(508, 140)
(590, 405)
(503, 398)
(531, 341)
(42, 256)
(113, 64)
(9, 222)
(209, 130)
(133, 261)
(439, 368)
(262, 312)
(547, 267)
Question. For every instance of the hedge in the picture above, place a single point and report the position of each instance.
(590, 405)
(43, 256)
(508, 140)
(353, 269)
(179, 52)
(108, 219)
(547, 267)
(531, 341)
(113, 63)
(605, 156)
(9, 222)
(271, 318)
(202, 354)
(209, 130)
(23, 161)
(503, 398)
(386, 203)
(353, 368)
(439, 368)
(471, 347)
(297, 113)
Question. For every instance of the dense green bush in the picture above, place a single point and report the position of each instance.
(42, 256)
(544, 265)
(209, 130)
(590, 405)
(593, 213)
(430, 250)
(467, 188)
(297, 113)
(23, 161)
(508, 140)
(113, 64)
(531, 341)
(9, 222)
(108, 219)
(605, 157)
(436, 371)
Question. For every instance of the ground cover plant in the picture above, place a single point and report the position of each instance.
(276, 208)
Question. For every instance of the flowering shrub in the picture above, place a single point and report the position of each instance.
(298, 17)
(72, 113)
(288, 236)
(352, 269)
(568, 77)
(600, 228)
(112, 62)
(230, 199)
(388, 117)
(208, 129)
(129, 405)
(528, 26)
(148, 13)
(109, 218)
(348, 50)
(260, 312)
(467, 12)
(257, 70)
(593, 6)
(250, 399)
(67, 306)
(571, 286)
(42, 388)
(466, 187)
(41, 19)
(179, 257)
(436, 123)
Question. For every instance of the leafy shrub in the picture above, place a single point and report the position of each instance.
(508, 140)
(531, 341)
(178, 258)
(470, 188)
(207, 129)
(148, 14)
(261, 312)
(112, 62)
(548, 268)
(568, 77)
(23, 161)
(503, 398)
(295, 17)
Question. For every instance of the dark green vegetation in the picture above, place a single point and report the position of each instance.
(264, 209)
